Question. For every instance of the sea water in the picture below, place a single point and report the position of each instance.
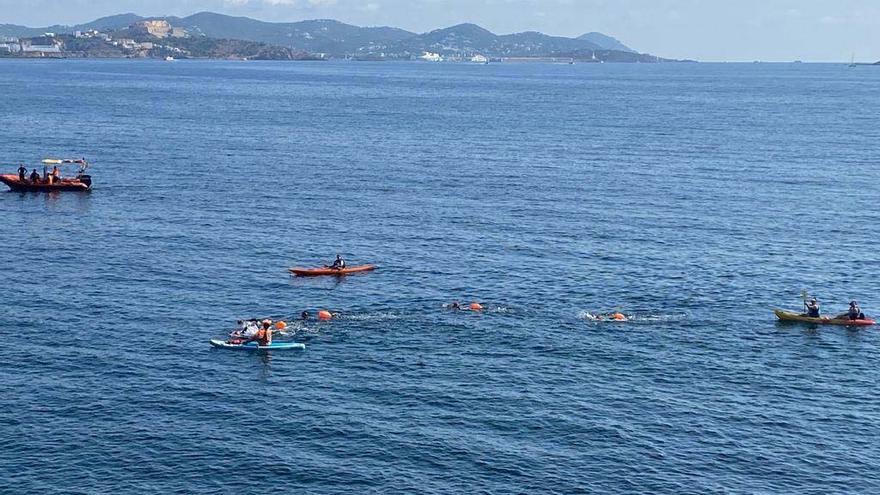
(696, 197)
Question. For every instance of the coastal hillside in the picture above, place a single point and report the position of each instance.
(136, 43)
(468, 40)
(606, 42)
(317, 36)
(334, 39)
(110, 23)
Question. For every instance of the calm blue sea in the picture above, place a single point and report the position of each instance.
(696, 197)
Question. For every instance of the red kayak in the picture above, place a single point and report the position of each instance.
(318, 272)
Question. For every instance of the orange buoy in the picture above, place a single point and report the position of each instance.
(280, 325)
(324, 315)
(618, 317)
(475, 306)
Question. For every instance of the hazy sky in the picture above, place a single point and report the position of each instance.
(816, 30)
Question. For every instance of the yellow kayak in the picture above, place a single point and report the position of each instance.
(822, 320)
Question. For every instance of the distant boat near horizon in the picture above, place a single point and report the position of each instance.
(852, 60)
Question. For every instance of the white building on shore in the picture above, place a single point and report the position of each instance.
(27, 46)
(431, 57)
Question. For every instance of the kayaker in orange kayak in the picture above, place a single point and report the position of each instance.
(338, 264)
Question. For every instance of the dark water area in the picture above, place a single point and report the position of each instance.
(696, 197)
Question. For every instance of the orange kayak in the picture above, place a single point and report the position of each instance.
(318, 272)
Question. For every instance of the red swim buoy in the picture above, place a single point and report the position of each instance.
(324, 315)
(475, 306)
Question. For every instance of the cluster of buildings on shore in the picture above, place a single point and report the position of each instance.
(436, 57)
(51, 45)
(46, 44)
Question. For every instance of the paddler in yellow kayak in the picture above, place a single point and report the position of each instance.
(812, 308)
(853, 313)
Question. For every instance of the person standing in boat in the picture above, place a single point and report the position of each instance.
(813, 308)
(22, 172)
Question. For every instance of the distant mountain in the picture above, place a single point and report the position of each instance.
(316, 36)
(465, 40)
(606, 42)
(110, 23)
(337, 39)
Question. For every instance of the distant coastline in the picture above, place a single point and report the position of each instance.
(216, 36)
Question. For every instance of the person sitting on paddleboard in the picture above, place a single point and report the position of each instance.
(339, 264)
(246, 330)
(263, 336)
(249, 329)
(22, 172)
(813, 308)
